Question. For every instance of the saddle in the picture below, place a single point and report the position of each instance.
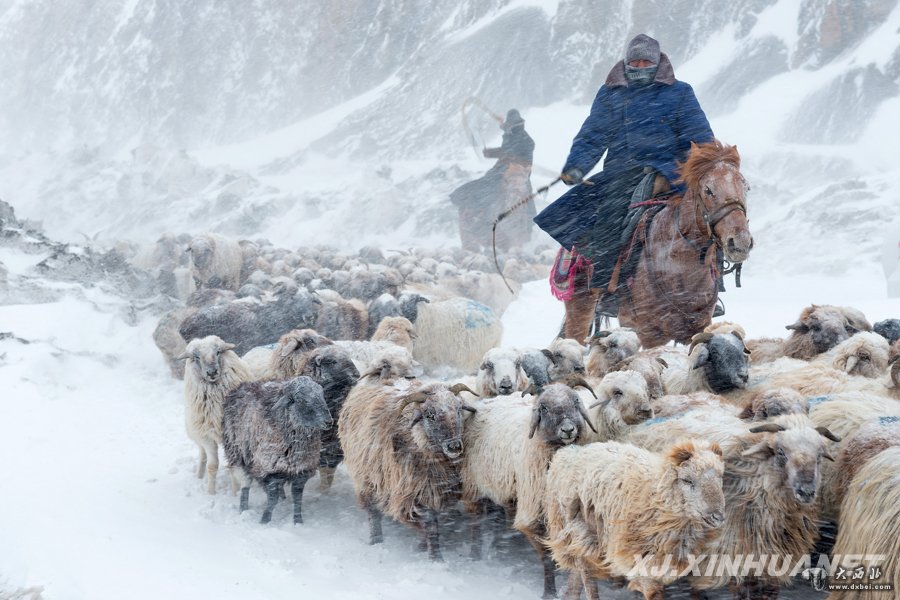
(648, 198)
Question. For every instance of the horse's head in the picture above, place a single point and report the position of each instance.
(712, 174)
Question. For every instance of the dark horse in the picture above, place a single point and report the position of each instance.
(673, 291)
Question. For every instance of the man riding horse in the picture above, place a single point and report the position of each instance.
(646, 120)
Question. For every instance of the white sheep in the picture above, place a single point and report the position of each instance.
(609, 348)
(212, 371)
(509, 447)
(216, 261)
(869, 517)
(500, 372)
(622, 402)
(611, 504)
(455, 333)
(843, 414)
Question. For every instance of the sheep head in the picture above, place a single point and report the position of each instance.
(331, 367)
(864, 354)
(889, 329)
(823, 326)
(391, 364)
(724, 359)
(694, 471)
(202, 249)
(615, 345)
(794, 451)
(559, 415)
(773, 403)
(567, 357)
(204, 357)
(436, 418)
(500, 372)
(623, 397)
(301, 403)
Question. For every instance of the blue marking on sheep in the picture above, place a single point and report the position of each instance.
(654, 421)
(478, 315)
(888, 420)
(818, 400)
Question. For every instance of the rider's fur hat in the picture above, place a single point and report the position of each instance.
(642, 47)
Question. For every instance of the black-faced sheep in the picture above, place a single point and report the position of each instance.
(509, 445)
(212, 371)
(331, 368)
(272, 435)
(402, 448)
(610, 504)
(869, 516)
(715, 362)
(216, 261)
(889, 329)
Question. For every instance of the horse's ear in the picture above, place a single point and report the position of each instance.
(693, 146)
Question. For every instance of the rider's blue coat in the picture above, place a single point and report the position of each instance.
(647, 126)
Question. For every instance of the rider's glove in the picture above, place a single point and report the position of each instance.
(572, 177)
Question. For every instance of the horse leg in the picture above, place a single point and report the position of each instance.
(580, 310)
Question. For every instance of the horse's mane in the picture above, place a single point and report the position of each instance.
(702, 158)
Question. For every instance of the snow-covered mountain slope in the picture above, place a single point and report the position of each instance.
(340, 122)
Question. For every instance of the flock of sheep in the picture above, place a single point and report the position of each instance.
(615, 462)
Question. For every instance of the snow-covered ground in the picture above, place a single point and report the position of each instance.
(101, 499)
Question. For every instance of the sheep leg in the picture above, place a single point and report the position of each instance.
(326, 478)
(478, 510)
(573, 586)
(297, 484)
(590, 587)
(431, 526)
(375, 534)
(533, 537)
(212, 466)
(274, 487)
(201, 468)
(245, 499)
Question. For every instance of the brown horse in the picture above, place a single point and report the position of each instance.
(673, 290)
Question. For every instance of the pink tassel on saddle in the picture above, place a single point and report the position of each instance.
(567, 265)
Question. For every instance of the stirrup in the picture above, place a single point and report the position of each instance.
(607, 306)
(719, 310)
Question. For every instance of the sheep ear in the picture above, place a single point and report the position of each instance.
(894, 359)
(471, 409)
(746, 413)
(226, 347)
(535, 420)
(823, 431)
(549, 355)
(369, 373)
(533, 390)
(760, 448)
(799, 326)
(662, 362)
(716, 449)
(289, 347)
(827, 456)
(702, 357)
(681, 453)
(183, 356)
